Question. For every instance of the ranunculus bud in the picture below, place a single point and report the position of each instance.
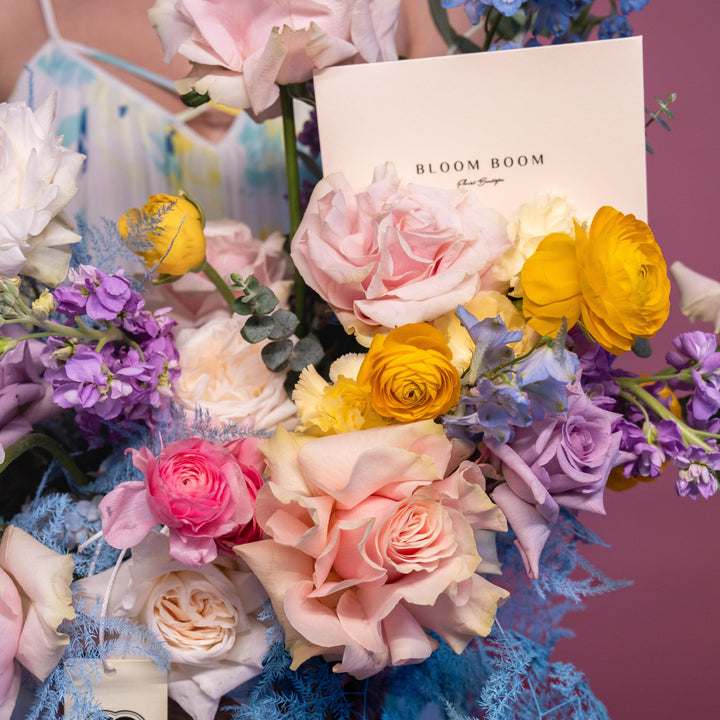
(167, 233)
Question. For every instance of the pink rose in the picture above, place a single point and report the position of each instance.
(35, 597)
(241, 51)
(395, 255)
(230, 248)
(372, 547)
(560, 461)
(197, 489)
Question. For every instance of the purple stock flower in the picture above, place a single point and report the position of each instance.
(697, 476)
(25, 398)
(560, 461)
(694, 347)
(705, 400)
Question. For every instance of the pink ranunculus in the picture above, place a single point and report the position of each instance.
(395, 254)
(560, 461)
(241, 51)
(372, 546)
(207, 618)
(35, 598)
(230, 248)
(199, 490)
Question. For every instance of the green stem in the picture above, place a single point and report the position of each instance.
(689, 435)
(293, 181)
(37, 440)
(490, 29)
(214, 277)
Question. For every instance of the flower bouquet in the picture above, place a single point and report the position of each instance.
(351, 490)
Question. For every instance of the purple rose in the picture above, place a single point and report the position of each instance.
(560, 461)
(25, 398)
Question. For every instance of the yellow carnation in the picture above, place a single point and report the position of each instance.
(329, 408)
(613, 278)
(410, 374)
(167, 233)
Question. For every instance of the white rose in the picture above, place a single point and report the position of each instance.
(225, 375)
(37, 180)
(205, 615)
(533, 221)
(699, 295)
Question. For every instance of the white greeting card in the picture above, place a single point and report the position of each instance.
(567, 119)
(134, 689)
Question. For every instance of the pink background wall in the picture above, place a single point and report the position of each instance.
(650, 651)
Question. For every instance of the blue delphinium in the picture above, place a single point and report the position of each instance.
(614, 26)
(627, 6)
(475, 9)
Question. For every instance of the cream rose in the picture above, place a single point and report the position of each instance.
(35, 598)
(37, 181)
(225, 375)
(205, 615)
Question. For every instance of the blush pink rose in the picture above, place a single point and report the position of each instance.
(35, 598)
(230, 248)
(559, 461)
(395, 254)
(372, 547)
(197, 489)
(241, 51)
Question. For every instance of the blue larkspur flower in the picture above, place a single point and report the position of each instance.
(614, 26)
(627, 6)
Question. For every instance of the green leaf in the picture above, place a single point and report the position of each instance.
(452, 38)
(265, 301)
(307, 351)
(257, 328)
(195, 99)
(251, 284)
(276, 354)
(243, 305)
(284, 322)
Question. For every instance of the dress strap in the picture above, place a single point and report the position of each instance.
(49, 17)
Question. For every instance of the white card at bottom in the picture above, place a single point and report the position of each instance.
(137, 690)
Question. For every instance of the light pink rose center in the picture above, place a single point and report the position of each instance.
(417, 537)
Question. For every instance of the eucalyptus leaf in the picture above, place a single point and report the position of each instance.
(265, 301)
(284, 322)
(307, 351)
(257, 328)
(243, 305)
(276, 354)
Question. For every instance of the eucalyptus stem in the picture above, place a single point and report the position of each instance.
(38, 440)
(214, 277)
(490, 29)
(293, 182)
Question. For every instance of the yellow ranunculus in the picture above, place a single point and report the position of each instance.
(623, 279)
(167, 233)
(613, 278)
(410, 374)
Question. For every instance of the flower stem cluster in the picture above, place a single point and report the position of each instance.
(673, 415)
(112, 361)
(502, 391)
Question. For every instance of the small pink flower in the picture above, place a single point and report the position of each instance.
(395, 254)
(199, 490)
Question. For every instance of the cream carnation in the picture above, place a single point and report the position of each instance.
(533, 221)
(224, 374)
(37, 181)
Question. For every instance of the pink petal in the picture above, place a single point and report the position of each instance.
(126, 516)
